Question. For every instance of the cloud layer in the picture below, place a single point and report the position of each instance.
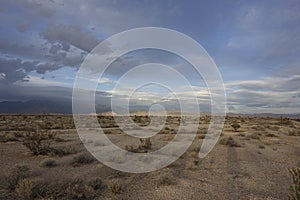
(255, 44)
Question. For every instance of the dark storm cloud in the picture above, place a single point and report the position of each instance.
(70, 35)
(44, 8)
(22, 26)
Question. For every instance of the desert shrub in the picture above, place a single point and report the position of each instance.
(254, 136)
(193, 154)
(242, 134)
(115, 187)
(18, 134)
(16, 174)
(82, 159)
(271, 135)
(201, 136)
(11, 137)
(261, 146)
(285, 121)
(49, 163)
(192, 165)
(295, 188)
(24, 189)
(230, 142)
(130, 148)
(96, 183)
(79, 190)
(258, 128)
(34, 141)
(62, 151)
(293, 133)
(165, 178)
(142, 148)
(145, 143)
(235, 126)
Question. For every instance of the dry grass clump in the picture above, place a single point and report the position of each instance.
(193, 154)
(24, 189)
(235, 126)
(229, 142)
(254, 136)
(8, 137)
(295, 188)
(82, 159)
(96, 183)
(165, 177)
(258, 128)
(16, 174)
(271, 135)
(115, 187)
(37, 142)
(193, 164)
(201, 136)
(145, 145)
(62, 151)
(49, 163)
(293, 132)
(78, 189)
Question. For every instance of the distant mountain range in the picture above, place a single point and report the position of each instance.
(65, 107)
(296, 115)
(42, 107)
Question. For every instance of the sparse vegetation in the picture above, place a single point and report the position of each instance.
(16, 174)
(293, 132)
(229, 142)
(165, 178)
(115, 187)
(235, 126)
(295, 188)
(49, 163)
(145, 143)
(37, 142)
(50, 175)
(254, 136)
(79, 190)
(82, 159)
(271, 135)
(24, 189)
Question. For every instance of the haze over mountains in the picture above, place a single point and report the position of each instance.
(65, 107)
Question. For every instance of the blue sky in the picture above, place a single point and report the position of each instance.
(255, 44)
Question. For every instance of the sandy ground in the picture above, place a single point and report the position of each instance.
(256, 169)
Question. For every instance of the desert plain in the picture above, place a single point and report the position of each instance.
(42, 157)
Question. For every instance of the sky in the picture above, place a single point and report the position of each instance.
(255, 44)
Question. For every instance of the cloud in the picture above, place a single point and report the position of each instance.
(12, 70)
(40, 7)
(22, 26)
(69, 35)
(270, 94)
